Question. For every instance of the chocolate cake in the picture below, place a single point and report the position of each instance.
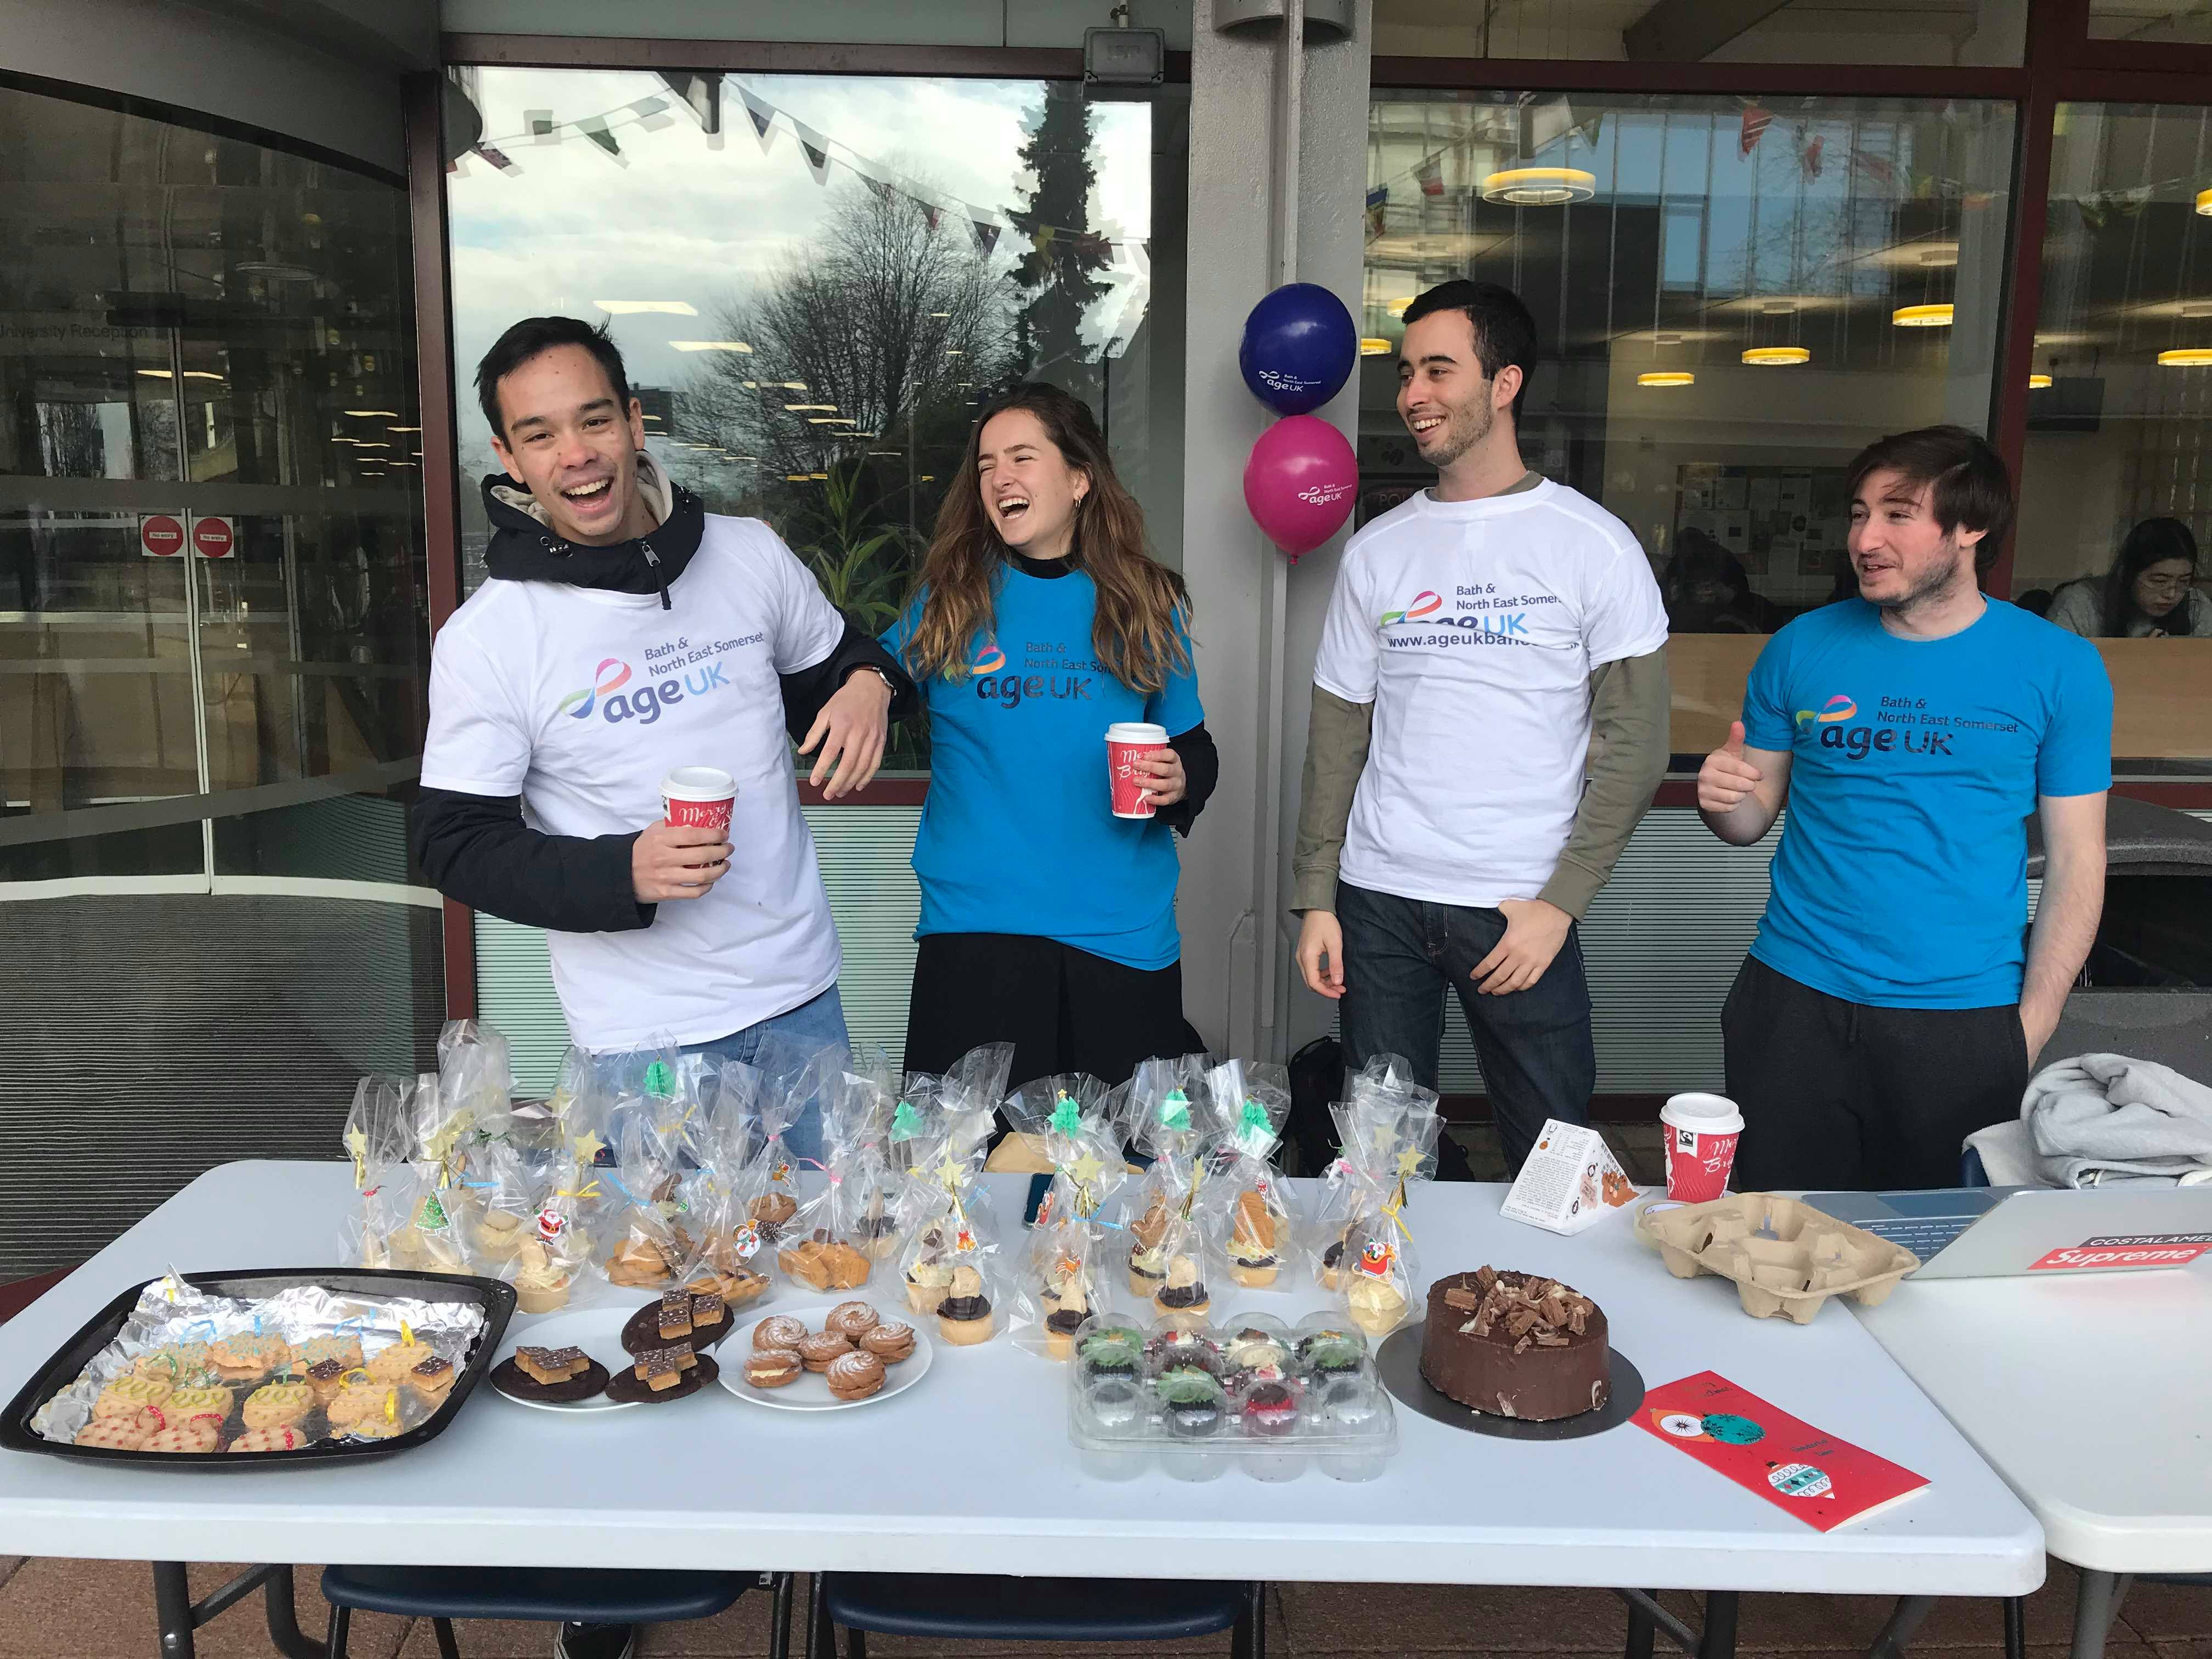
(1515, 1344)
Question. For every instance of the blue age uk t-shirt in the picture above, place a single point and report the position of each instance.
(1018, 834)
(1901, 878)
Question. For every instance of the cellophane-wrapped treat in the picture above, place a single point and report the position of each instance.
(644, 1244)
(825, 1245)
(725, 1242)
(1070, 1274)
(1377, 1100)
(1159, 1116)
(949, 1258)
(1390, 1140)
(1247, 1103)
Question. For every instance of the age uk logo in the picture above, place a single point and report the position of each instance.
(1838, 707)
(1425, 605)
(990, 659)
(577, 705)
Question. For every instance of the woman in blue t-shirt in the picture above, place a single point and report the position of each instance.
(1038, 620)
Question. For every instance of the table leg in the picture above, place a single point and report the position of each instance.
(1719, 1640)
(172, 1608)
(1911, 1611)
(282, 1613)
(1643, 1633)
(2015, 1626)
(779, 1633)
(2096, 1608)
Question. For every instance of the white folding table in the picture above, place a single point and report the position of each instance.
(973, 1471)
(2092, 1396)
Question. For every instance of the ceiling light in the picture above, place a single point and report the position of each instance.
(155, 374)
(954, 351)
(819, 477)
(2187, 357)
(384, 413)
(1374, 348)
(712, 345)
(1778, 308)
(630, 308)
(345, 441)
(792, 386)
(804, 409)
(2197, 307)
(2204, 203)
(1666, 336)
(400, 463)
(940, 316)
(418, 429)
(796, 478)
(359, 445)
(1397, 307)
(1937, 257)
(1777, 357)
(1667, 377)
(649, 415)
(2038, 383)
(831, 420)
(1539, 187)
(1936, 316)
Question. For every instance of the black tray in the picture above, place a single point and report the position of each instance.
(494, 1297)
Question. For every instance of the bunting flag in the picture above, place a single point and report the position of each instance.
(987, 236)
(1754, 128)
(1091, 245)
(877, 188)
(498, 158)
(816, 148)
(1430, 175)
(762, 116)
(702, 94)
(1811, 158)
(932, 213)
(594, 128)
(1874, 167)
(1378, 200)
(542, 127)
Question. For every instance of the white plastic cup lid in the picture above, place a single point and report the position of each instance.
(698, 783)
(1136, 732)
(1715, 1112)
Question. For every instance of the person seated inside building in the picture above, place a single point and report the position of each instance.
(2148, 594)
(1707, 591)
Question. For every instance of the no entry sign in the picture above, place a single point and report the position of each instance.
(215, 537)
(161, 535)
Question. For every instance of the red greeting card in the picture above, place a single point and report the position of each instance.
(1822, 1481)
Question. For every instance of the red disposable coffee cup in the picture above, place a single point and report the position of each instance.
(1125, 741)
(699, 797)
(1701, 1132)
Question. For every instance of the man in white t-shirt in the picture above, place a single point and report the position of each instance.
(1489, 723)
(625, 632)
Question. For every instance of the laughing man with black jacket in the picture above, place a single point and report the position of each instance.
(625, 632)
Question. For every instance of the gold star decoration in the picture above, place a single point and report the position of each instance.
(588, 1148)
(356, 1142)
(1086, 1169)
(948, 1173)
(1409, 1162)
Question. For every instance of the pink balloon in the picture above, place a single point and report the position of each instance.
(1300, 483)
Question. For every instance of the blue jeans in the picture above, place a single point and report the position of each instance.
(1534, 1045)
(816, 1025)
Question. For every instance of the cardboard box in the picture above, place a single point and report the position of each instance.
(1570, 1180)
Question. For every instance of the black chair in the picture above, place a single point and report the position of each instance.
(983, 1608)
(549, 1595)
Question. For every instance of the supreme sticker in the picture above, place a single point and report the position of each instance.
(2128, 1250)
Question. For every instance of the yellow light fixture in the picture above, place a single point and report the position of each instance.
(2186, 357)
(831, 420)
(1777, 357)
(1374, 347)
(792, 386)
(359, 445)
(819, 477)
(1397, 307)
(712, 345)
(812, 409)
(1935, 316)
(1539, 187)
(796, 478)
(1667, 377)
(418, 429)
(630, 308)
(2204, 203)
(380, 414)
(2038, 382)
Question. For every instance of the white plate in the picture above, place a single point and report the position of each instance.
(811, 1393)
(597, 1331)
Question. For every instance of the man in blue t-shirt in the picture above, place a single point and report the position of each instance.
(1888, 1008)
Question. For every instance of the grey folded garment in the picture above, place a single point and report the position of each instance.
(2099, 1119)
(2007, 1150)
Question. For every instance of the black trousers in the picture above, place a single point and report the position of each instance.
(1064, 1010)
(1840, 1095)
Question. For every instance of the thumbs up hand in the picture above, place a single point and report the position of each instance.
(1726, 777)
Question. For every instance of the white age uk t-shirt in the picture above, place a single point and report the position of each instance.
(581, 701)
(1473, 628)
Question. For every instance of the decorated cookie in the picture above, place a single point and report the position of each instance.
(128, 1395)
(283, 1436)
(852, 1319)
(115, 1433)
(855, 1375)
(196, 1436)
(276, 1404)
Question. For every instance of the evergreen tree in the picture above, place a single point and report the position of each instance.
(1059, 273)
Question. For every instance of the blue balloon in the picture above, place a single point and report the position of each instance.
(1299, 348)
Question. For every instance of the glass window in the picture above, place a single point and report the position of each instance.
(2115, 488)
(211, 556)
(816, 280)
(1732, 297)
(1977, 32)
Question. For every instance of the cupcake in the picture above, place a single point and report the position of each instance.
(1192, 1405)
(1110, 1351)
(1270, 1410)
(1252, 1260)
(1183, 1297)
(927, 1285)
(963, 1317)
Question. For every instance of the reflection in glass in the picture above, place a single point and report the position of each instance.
(1725, 293)
(2153, 22)
(815, 281)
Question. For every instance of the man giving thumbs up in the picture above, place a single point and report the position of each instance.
(1888, 1008)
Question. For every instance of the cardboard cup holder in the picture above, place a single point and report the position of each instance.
(1784, 1256)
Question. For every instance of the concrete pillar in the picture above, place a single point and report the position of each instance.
(1258, 619)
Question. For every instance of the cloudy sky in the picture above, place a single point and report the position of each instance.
(682, 216)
